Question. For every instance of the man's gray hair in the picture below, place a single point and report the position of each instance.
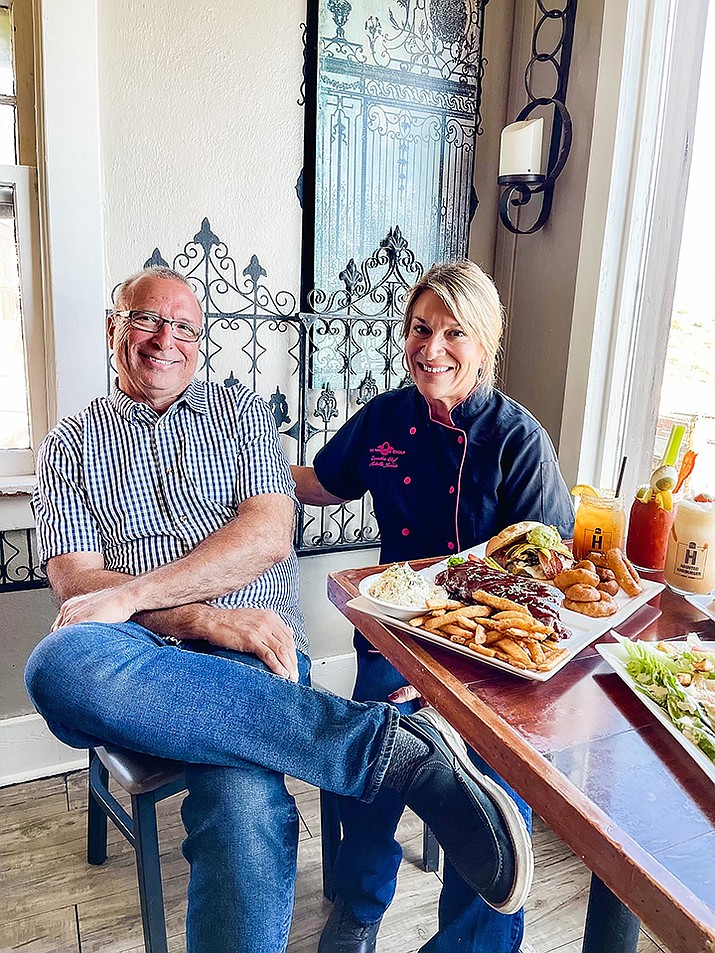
(155, 271)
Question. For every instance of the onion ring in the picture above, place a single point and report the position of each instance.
(575, 577)
(587, 565)
(626, 576)
(597, 610)
(582, 593)
(604, 574)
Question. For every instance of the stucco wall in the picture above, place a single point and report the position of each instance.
(199, 117)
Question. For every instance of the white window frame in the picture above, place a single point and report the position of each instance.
(631, 235)
(71, 282)
(23, 182)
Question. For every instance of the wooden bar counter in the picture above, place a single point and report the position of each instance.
(592, 761)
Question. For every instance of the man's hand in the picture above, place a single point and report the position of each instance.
(259, 632)
(104, 605)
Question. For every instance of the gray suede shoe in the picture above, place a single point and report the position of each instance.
(476, 821)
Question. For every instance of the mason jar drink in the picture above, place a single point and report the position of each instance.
(600, 524)
(648, 530)
(690, 559)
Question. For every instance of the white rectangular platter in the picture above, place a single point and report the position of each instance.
(616, 656)
(585, 630)
(706, 604)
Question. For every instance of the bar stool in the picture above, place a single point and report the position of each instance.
(148, 780)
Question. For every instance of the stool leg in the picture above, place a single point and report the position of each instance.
(430, 850)
(151, 896)
(96, 818)
(330, 839)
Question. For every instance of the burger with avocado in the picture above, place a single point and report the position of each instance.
(530, 549)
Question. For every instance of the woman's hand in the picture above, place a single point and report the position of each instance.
(406, 694)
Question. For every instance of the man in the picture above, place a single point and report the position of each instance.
(164, 518)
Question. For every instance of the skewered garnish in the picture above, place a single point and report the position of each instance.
(665, 479)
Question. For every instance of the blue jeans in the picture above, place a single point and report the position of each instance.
(365, 873)
(239, 729)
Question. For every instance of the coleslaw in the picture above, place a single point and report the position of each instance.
(400, 585)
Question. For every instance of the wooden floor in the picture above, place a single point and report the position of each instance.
(51, 901)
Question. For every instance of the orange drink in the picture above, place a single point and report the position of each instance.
(600, 524)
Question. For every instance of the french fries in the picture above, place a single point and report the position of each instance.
(496, 628)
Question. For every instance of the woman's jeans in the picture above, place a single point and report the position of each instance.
(239, 728)
(365, 872)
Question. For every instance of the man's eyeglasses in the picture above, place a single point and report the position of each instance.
(153, 323)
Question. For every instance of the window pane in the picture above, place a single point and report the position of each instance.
(7, 135)
(7, 74)
(688, 393)
(14, 418)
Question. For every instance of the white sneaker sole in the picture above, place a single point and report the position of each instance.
(520, 838)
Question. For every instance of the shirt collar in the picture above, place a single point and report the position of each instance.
(194, 397)
(462, 412)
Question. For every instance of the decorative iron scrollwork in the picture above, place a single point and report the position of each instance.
(313, 369)
(518, 189)
(19, 565)
(397, 113)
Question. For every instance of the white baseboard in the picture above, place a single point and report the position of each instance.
(28, 750)
(336, 674)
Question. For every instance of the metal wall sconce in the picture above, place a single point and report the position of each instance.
(520, 163)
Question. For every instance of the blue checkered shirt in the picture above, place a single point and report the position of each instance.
(145, 489)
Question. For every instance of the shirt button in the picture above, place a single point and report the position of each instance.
(450, 545)
(169, 470)
(407, 480)
(460, 439)
(183, 519)
(413, 430)
(451, 489)
(405, 532)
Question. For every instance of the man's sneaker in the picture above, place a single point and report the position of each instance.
(344, 934)
(476, 821)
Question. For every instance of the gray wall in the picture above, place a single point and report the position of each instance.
(536, 274)
(24, 618)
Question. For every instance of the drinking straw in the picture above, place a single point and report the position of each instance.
(619, 481)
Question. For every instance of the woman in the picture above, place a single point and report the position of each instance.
(449, 462)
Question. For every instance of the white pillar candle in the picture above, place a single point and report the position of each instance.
(520, 152)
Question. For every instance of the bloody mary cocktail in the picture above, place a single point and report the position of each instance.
(648, 528)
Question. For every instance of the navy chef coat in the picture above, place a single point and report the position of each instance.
(438, 488)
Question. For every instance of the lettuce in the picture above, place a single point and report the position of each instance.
(658, 673)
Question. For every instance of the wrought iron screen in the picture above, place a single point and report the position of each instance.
(397, 116)
(313, 369)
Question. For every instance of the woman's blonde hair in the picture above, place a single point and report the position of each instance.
(472, 298)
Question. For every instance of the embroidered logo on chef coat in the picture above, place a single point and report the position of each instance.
(385, 456)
